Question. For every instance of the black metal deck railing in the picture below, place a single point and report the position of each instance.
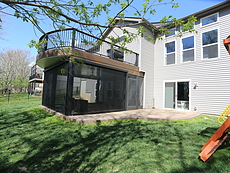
(80, 40)
(35, 76)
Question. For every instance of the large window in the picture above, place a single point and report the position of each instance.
(210, 19)
(188, 49)
(210, 44)
(170, 53)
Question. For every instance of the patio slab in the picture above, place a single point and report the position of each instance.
(146, 114)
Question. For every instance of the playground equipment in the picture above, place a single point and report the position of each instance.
(227, 44)
(222, 133)
(218, 138)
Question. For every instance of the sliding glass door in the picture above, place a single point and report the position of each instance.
(177, 95)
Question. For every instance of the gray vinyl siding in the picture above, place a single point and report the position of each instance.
(147, 65)
(145, 49)
(134, 46)
(212, 75)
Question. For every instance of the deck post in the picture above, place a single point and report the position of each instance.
(69, 90)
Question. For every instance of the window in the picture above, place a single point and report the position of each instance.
(119, 39)
(188, 28)
(116, 54)
(210, 19)
(210, 44)
(170, 53)
(188, 49)
(170, 33)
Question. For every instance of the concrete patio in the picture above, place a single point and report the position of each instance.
(146, 114)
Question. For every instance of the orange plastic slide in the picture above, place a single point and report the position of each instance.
(215, 141)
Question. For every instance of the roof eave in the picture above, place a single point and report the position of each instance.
(143, 21)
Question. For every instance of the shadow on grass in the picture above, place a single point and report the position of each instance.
(58, 146)
(77, 152)
(208, 132)
(45, 143)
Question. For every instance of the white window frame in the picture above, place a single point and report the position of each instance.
(218, 45)
(194, 49)
(165, 54)
(209, 23)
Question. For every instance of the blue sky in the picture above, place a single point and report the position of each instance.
(17, 34)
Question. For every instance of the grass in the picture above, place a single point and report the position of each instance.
(32, 140)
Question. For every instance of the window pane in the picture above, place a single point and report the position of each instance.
(170, 47)
(208, 20)
(170, 59)
(188, 55)
(172, 32)
(190, 27)
(210, 51)
(188, 42)
(210, 37)
(170, 95)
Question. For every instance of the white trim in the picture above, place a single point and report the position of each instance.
(218, 43)
(140, 53)
(165, 53)
(141, 69)
(182, 50)
(176, 81)
(144, 91)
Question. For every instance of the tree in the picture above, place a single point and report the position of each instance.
(14, 69)
(86, 14)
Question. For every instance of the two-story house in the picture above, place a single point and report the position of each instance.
(192, 72)
(188, 73)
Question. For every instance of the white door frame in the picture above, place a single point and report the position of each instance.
(176, 81)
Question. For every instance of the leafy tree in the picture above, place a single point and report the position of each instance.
(14, 69)
(86, 14)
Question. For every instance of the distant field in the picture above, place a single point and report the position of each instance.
(16, 98)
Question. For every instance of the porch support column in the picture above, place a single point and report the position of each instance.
(69, 89)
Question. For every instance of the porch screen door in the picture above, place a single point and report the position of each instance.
(132, 93)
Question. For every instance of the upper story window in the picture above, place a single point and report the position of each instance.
(188, 49)
(210, 19)
(116, 54)
(119, 39)
(170, 53)
(188, 28)
(170, 33)
(210, 44)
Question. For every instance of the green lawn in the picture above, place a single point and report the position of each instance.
(32, 140)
